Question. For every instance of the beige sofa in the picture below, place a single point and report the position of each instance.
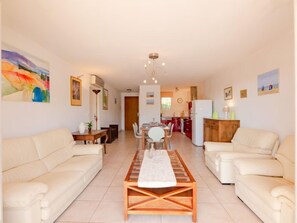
(44, 173)
(267, 186)
(246, 143)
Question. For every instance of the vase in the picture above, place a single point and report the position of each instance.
(81, 128)
(152, 150)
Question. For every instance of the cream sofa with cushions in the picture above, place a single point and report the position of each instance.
(247, 142)
(267, 186)
(43, 174)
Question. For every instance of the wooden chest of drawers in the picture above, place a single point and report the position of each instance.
(215, 130)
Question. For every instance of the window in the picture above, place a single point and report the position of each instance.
(166, 103)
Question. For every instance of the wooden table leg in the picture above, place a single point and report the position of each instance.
(166, 140)
(106, 138)
(194, 205)
(125, 202)
(143, 140)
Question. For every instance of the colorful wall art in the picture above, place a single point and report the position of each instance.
(24, 77)
(268, 83)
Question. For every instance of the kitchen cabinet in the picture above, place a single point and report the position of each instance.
(188, 128)
(215, 130)
(176, 122)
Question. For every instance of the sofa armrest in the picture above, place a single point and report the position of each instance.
(23, 194)
(89, 149)
(224, 156)
(285, 191)
(264, 167)
(218, 146)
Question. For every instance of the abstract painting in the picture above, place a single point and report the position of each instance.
(268, 82)
(24, 77)
(75, 91)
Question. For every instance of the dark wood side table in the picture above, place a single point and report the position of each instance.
(91, 136)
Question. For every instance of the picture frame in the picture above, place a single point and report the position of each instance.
(75, 91)
(228, 94)
(105, 99)
(150, 94)
(150, 101)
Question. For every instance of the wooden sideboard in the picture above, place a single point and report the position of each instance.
(216, 130)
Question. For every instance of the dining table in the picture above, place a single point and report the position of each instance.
(147, 126)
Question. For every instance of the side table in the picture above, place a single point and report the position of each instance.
(91, 136)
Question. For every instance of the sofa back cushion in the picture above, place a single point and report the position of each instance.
(20, 160)
(54, 147)
(286, 155)
(255, 141)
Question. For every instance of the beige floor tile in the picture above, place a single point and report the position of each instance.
(109, 212)
(176, 219)
(79, 211)
(115, 194)
(213, 182)
(93, 193)
(212, 213)
(205, 195)
(226, 195)
(144, 219)
(241, 214)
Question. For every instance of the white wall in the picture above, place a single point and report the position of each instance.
(26, 118)
(123, 95)
(177, 108)
(148, 113)
(273, 112)
(1, 208)
(112, 115)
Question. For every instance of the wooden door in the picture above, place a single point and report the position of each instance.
(131, 112)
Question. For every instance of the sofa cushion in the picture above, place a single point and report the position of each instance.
(58, 183)
(78, 163)
(54, 147)
(20, 160)
(212, 156)
(286, 156)
(254, 141)
(262, 187)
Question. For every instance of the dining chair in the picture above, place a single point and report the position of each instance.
(138, 130)
(137, 135)
(156, 136)
(170, 135)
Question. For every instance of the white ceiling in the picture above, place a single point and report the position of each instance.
(112, 38)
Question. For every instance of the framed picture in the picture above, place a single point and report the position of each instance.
(268, 83)
(75, 91)
(228, 93)
(150, 101)
(150, 94)
(24, 77)
(105, 99)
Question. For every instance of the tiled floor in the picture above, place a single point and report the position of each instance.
(102, 200)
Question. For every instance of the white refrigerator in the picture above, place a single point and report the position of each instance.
(200, 109)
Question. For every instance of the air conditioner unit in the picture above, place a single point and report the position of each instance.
(96, 81)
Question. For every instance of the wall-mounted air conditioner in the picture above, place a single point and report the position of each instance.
(96, 81)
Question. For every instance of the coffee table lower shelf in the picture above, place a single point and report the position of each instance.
(170, 201)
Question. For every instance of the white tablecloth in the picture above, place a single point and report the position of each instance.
(156, 171)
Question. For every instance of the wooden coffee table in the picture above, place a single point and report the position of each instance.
(177, 200)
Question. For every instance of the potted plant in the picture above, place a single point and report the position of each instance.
(90, 125)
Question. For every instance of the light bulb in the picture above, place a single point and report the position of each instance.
(145, 66)
(156, 81)
(144, 81)
(163, 64)
(149, 62)
(153, 78)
